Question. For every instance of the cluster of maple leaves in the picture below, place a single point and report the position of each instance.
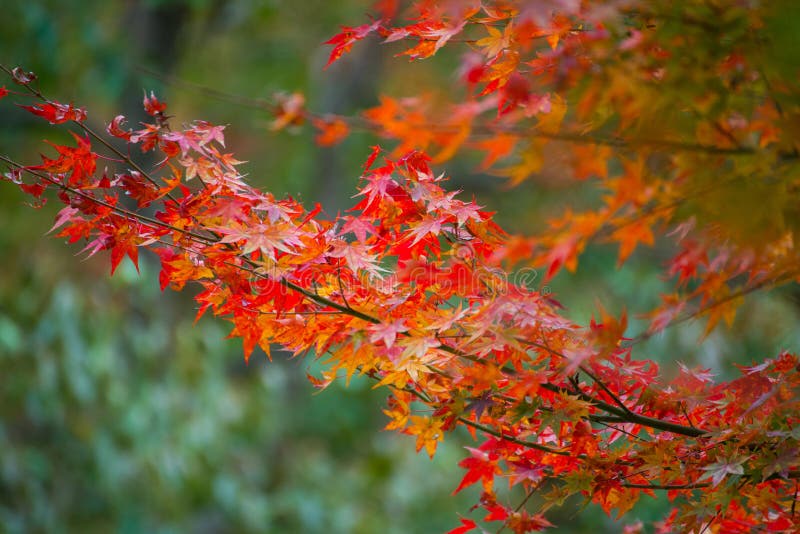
(412, 287)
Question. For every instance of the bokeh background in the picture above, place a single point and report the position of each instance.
(117, 413)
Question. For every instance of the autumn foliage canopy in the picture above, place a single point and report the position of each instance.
(684, 115)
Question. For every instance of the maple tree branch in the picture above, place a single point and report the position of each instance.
(629, 417)
(126, 158)
(633, 417)
(204, 240)
(626, 416)
(120, 211)
(766, 283)
(327, 302)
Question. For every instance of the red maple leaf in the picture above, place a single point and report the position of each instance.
(80, 162)
(343, 42)
(56, 113)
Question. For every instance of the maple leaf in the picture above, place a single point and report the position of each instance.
(68, 213)
(275, 211)
(152, 105)
(590, 160)
(550, 122)
(266, 238)
(563, 254)
(610, 496)
(398, 410)
(344, 41)
(376, 150)
(609, 331)
(210, 133)
(629, 236)
(321, 383)
(499, 71)
(480, 404)
(443, 34)
(79, 162)
(357, 257)
(670, 308)
(331, 131)
(521, 522)
(418, 347)
(138, 188)
(379, 184)
(515, 93)
(126, 243)
(56, 113)
(583, 439)
(466, 526)
(532, 161)
(429, 433)
(717, 471)
(289, 110)
(3, 91)
(115, 128)
(702, 376)
(723, 309)
(177, 269)
(387, 332)
(496, 147)
(781, 462)
(497, 512)
(407, 368)
(425, 227)
(481, 466)
(357, 226)
(497, 41)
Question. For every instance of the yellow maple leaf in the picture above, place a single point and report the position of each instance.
(532, 161)
(496, 42)
(629, 236)
(428, 431)
(550, 123)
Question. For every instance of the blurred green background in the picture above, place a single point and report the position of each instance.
(118, 414)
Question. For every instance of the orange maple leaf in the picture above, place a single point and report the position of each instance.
(428, 431)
